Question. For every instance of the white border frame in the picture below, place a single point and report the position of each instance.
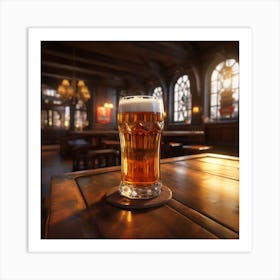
(36, 35)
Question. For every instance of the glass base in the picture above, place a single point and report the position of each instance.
(140, 192)
(114, 197)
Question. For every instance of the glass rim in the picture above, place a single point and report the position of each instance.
(139, 96)
(140, 103)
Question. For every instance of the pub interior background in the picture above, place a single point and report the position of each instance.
(82, 82)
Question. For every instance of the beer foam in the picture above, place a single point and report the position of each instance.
(140, 103)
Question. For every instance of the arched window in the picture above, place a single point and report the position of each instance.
(158, 92)
(224, 95)
(182, 100)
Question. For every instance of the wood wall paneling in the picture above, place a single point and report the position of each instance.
(222, 134)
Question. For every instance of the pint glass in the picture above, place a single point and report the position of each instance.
(140, 123)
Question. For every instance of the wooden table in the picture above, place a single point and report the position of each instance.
(205, 203)
(182, 133)
(96, 136)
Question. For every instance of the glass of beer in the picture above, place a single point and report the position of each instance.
(140, 123)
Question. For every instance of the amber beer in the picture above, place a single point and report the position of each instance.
(140, 122)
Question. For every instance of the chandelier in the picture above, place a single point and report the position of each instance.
(76, 90)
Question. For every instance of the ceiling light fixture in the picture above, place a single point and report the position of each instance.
(76, 90)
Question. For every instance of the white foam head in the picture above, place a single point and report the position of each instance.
(141, 103)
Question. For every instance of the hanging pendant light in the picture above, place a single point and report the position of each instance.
(75, 90)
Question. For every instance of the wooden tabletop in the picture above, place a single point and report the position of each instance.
(205, 203)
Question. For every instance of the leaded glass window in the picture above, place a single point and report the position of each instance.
(182, 100)
(158, 92)
(224, 96)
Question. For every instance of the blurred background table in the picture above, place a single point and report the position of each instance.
(205, 203)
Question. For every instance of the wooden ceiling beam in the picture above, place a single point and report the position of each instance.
(93, 60)
(97, 72)
(54, 80)
(126, 63)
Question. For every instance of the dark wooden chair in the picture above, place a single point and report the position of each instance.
(69, 146)
(111, 144)
(96, 159)
(171, 149)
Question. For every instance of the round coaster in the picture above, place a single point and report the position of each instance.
(114, 198)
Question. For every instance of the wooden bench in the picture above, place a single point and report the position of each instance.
(195, 149)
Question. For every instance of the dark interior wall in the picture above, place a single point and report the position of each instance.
(100, 96)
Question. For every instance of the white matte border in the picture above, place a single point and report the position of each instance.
(36, 35)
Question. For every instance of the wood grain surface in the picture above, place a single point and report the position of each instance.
(204, 204)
